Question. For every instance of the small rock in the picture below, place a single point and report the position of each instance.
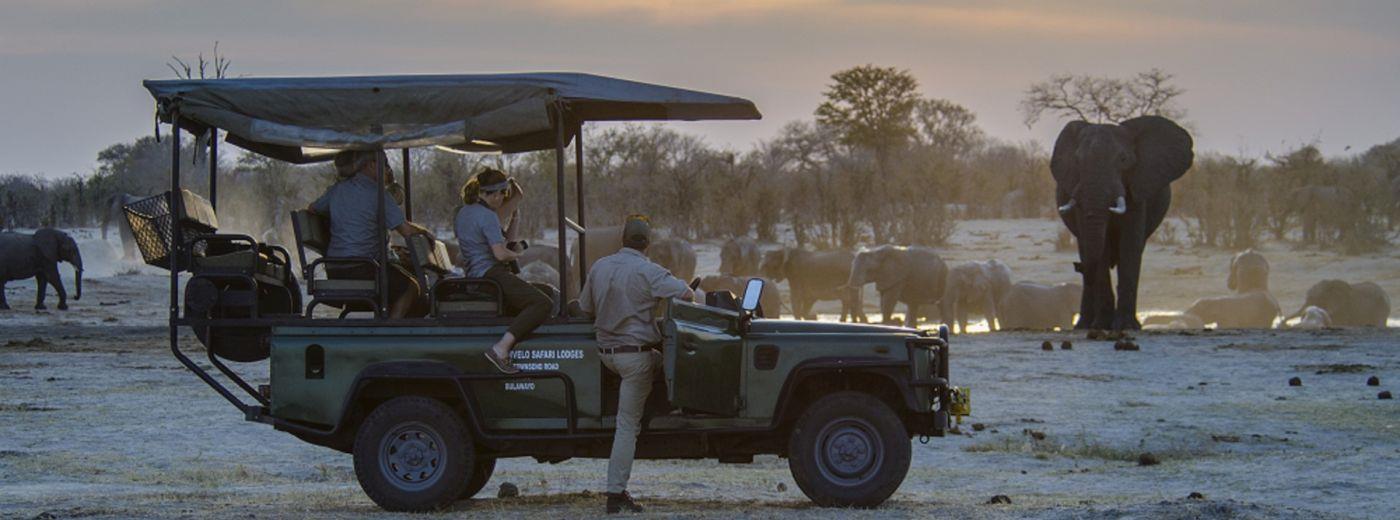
(1296, 381)
(1148, 459)
(51, 379)
(1046, 345)
(977, 426)
(1196, 495)
(1280, 398)
(1384, 395)
(1225, 438)
(1023, 472)
(1066, 345)
(1126, 345)
(508, 490)
(782, 488)
(999, 499)
(1034, 434)
(1373, 381)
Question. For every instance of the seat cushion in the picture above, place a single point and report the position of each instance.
(340, 285)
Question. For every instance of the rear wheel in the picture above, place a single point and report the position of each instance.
(481, 474)
(413, 454)
(848, 449)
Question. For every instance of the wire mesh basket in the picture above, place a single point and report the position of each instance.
(152, 224)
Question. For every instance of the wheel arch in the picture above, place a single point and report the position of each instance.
(811, 381)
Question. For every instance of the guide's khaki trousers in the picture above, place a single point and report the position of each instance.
(637, 370)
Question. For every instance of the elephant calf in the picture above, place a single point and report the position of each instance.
(975, 287)
(1034, 306)
(1251, 310)
(37, 256)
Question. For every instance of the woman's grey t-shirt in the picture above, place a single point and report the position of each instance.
(478, 228)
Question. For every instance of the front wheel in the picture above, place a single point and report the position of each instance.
(481, 473)
(848, 449)
(413, 454)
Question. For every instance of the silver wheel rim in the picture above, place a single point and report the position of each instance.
(849, 452)
(411, 456)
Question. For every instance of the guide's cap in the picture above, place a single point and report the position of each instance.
(636, 231)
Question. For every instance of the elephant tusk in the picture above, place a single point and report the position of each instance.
(1068, 206)
(1120, 206)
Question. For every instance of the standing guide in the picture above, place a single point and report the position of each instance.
(621, 292)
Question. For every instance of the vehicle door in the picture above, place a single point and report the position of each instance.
(703, 358)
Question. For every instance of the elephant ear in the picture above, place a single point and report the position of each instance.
(1164, 153)
(1063, 165)
(47, 242)
(893, 268)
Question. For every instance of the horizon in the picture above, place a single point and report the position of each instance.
(1257, 82)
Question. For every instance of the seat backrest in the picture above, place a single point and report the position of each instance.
(430, 253)
(313, 231)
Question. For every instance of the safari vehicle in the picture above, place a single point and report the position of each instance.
(415, 402)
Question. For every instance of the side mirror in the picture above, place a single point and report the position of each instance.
(752, 291)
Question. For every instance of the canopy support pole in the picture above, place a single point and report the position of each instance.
(382, 283)
(559, 200)
(214, 169)
(578, 194)
(407, 187)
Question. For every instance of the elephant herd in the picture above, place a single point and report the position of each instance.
(1328, 303)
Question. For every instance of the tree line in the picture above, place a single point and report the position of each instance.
(879, 162)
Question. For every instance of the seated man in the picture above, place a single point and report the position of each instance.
(351, 206)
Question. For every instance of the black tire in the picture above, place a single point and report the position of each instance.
(848, 449)
(481, 474)
(413, 454)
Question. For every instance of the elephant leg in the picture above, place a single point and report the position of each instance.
(887, 304)
(4, 305)
(57, 282)
(911, 314)
(41, 291)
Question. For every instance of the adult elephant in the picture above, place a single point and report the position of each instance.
(1362, 304)
(915, 276)
(740, 256)
(972, 288)
(676, 255)
(115, 214)
(1248, 310)
(1112, 186)
(813, 276)
(1029, 305)
(37, 256)
(1249, 271)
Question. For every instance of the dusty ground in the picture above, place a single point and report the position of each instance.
(97, 419)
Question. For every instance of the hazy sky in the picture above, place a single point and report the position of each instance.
(1260, 75)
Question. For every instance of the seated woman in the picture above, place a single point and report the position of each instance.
(351, 206)
(491, 198)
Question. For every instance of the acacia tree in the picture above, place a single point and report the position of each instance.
(871, 108)
(1102, 99)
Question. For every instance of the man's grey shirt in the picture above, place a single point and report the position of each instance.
(621, 292)
(351, 206)
(477, 228)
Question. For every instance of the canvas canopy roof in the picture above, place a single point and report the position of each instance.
(292, 118)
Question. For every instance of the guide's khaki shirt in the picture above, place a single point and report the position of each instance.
(621, 292)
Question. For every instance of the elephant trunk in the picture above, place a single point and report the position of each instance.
(77, 262)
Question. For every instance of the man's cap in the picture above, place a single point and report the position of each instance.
(637, 228)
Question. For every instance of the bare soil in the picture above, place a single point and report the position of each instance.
(98, 420)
